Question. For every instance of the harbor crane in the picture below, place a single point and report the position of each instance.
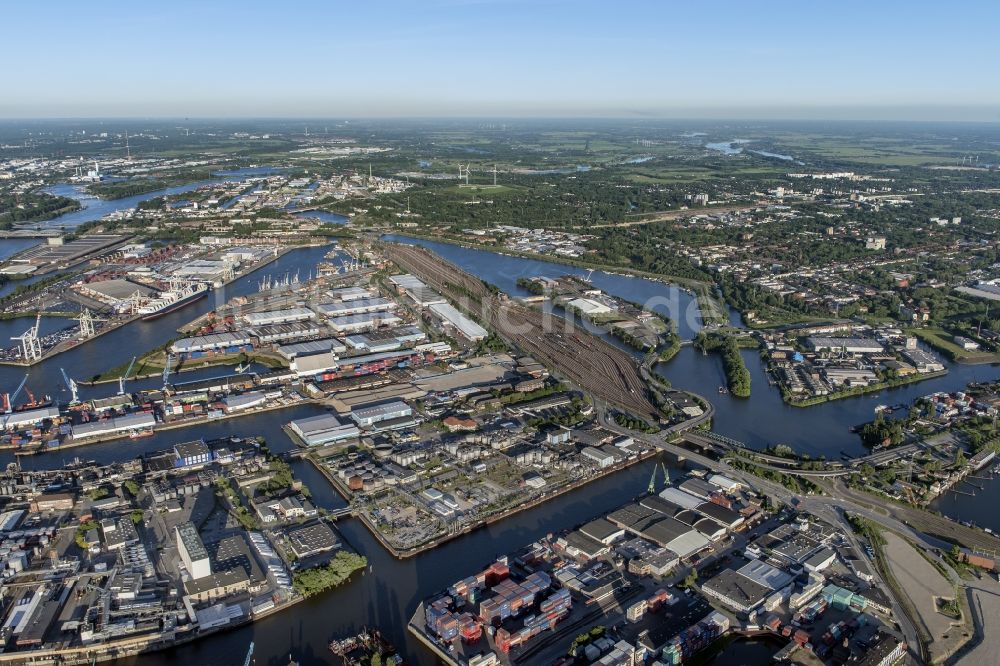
(9, 401)
(71, 385)
(11, 397)
(31, 346)
(652, 480)
(86, 320)
(249, 658)
(121, 380)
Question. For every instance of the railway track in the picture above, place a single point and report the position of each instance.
(587, 361)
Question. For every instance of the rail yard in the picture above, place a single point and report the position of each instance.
(589, 362)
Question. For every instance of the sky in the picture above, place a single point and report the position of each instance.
(839, 59)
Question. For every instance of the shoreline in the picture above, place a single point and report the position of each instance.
(402, 554)
(865, 390)
(158, 427)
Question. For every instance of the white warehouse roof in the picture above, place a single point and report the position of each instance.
(465, 326)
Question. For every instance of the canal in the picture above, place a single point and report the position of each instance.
(387, 594)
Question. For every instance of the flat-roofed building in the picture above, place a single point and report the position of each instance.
(322, 346)
(312, 539)
(363, 322)
(192, 550)
(467, 328)
(355, 307)
(217, 342)
(603, 530)
(314, 364)
(323, 429)
(736, 591)
(846, 345)
(191, 454)
(29, 417)
(278, 316)
(368, 416)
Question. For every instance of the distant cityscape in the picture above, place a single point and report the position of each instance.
(576, 392)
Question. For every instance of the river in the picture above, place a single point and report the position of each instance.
(388, 594)
(93, 208)
(761, 420)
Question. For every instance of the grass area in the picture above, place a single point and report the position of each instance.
(941, 340)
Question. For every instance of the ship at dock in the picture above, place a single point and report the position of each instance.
(174, 299)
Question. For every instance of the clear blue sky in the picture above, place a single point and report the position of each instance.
(709, 58)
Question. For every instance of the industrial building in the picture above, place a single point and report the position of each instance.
(241, 401)
(416, 290)
(323, 345)
(116, 293)
(312, 539)
(189, 454)
(323, 429)
(846, 345)
(225, 342)
(350, 293)
(467, 328)
(193, 553)
(292, 330)
(313, 364)
(588, 306)
(355, 307)
(278, 316)
(362, 322)
(119, 424)
(29, 417)
(736, 591)
(369, 416)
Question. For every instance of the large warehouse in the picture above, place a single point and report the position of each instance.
(847, 345)
(661, 529)
(465, 326)
(363, 322)
(354, 307)
(278, 316)
(323, 429)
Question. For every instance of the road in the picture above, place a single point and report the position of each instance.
(830, 509)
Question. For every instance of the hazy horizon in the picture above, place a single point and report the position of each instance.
(502, 59)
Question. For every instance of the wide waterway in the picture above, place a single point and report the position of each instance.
(93, 208)
(761, 420)
(387, 594)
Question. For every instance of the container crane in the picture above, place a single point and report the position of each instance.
(9, 398)
(71, 385)
(121, 380)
